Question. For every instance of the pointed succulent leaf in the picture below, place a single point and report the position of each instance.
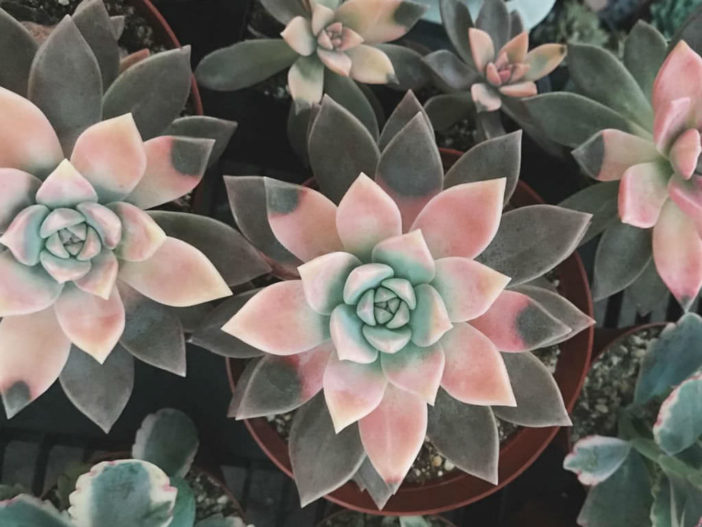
(447, 109)
(184, 509)
(456, 20)
(596, 458)
(672, 358)
(671, 120)
(648, 291)
(152, 333)
(203, 126)
(410, 71)
(103, 272)
(17, 50)
(554, 233)
(622, 255)
(679, 424)
(661, 509)
(298, 35)
(153, 110)
(347, 333)
(340, 149)
(22, 236)
(642, 193)
(169, 440)
(623, 499)
(306, 81)
(24, 289)
(63, 67)
(429, 320)
(348, 94)
(485, 97)
(244, 64)
(133, 58)
(586, 117)
(280, 384)
(476, 453)
(451, 70)
(33, 353)
(146, 496)
(368, 479)
(141, 237)
(494, 19)
(645, 49)
(681, 63)
(394, 432)
(600, 200)
(539, 400)
(99, 391)
(370, 65)
(491, 159)
(322, 460)
(416, 370)
(93, 21)
(28, 510)
(285, 10)
(19, 190)
(118, 23)
(324, 278)
(278, 320)
(380, 21)
(403, 113)
(408, 255)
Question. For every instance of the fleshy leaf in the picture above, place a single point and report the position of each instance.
(18, 49)
(410, 72)
(103, 272)
(493, 18)
(19, 190)
(408, 255)
(298, 35)
(456, 18)
(24, 289)
(644, 52)
(278, 320)
(681, 63)
(141, 234)
(679, 424)
(65, 187)
(351, 96)
(22, 237)
(539, 400)
(642, 193)
(447, 109)
(596, 458)
(476, 453)
(184, 510)
(416, 370)
(368, 479)
(99, 391)
(482, 48)
(28, 510)
(203, 126)
(347, 333)
(169, 440)
(600, 200)
(451, 70)
(429, 320)
(403, 113)
(306, 82)
(322, 460)
(323, 280)
(33, 350)
(553, 234)
(380, 21)
(93, 21)
(648, 291)
(370, 65)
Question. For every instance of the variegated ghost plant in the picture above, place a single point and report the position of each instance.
(642, 141)
(121, 493)
(493, 64)
(86, 275)
(402, 295)
(650, 474)
(330, 46)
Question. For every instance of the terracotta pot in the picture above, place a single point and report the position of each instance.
(332, 516)
(458, 489)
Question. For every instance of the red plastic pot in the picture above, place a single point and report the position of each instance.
(459, 489)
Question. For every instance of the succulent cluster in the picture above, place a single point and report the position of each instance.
(650, 474)
(82, 266)
(148, 490)
(390, 306)
(642, 141)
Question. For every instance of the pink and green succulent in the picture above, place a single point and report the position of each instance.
(399, 318)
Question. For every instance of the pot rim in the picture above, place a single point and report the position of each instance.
(459, 489)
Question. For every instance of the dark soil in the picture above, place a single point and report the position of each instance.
(356, 519)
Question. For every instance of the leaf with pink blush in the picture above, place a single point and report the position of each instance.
(65, 187)
(105, 222)
(380, 20)
(368, 480)
(23, 289)
(485, 97)
(92, 324)
(408, 255)
(481, 48)
(102, 276)
(141, 235)
(346, 330)
(516, 323)
(280, 384)
(18, 192)
(324, 278)
(687, 195)
(63, 269)
(278, 320)
(429, 320)
(410, 169)
(298, 35)
(475, 372)
(174, 167)
(642, 192)
(337, 61)
(539, 399)
(478, 205)
(394, 432)
(302, 219)
(33, 350)
(27, 139)
(609, 153)
(685, 153)
(671, 120)
(468, 288)
(322, 16)
(520, 89)
(595, 458)
(177, 275)
(517, 48)
(416, 370)
(677, 252)
(403, 113)
(543, 59)
(22, 236)
(132, 59)
(306, 81)
(679, 77)
(366, 215)
(370, 65)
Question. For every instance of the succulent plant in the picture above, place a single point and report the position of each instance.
(651, 474)
(329, 46)
(396, 299)
(571, 21)
(491, 66)
(86, 275)
(532, 12)
(642, 141)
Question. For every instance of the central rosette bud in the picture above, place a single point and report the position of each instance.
(503, 71)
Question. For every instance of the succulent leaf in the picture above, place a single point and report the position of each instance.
(447, 109)
(184, 509)
(644, 52)
(456, 18)
(601, 201)
(322, 460)
(410, 71)
(380, 20)
(18, 48)
(349, 94)
(368, 479)
(595, 458)
(679, 425)
(494, 19)
(648, 290)
(19, 190)
(169, 440)
(324, 278)
(99, 391)
(451, 70)
(28, 510)
(403, 113)
(203, 126)
(93, 21)
(416, 370)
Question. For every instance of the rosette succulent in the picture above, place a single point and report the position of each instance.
(651, 475)
(642, 141)
(397, 298)
(492, 63)
(87, 277)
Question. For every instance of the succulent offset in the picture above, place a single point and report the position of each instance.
(386, 303)
(650, 474)
(148, 490)
(645, 145)
(82, 265)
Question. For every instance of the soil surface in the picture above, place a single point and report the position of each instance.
(356, 519)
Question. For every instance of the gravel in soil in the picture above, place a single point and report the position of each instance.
(610, 385)
(356, 519)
